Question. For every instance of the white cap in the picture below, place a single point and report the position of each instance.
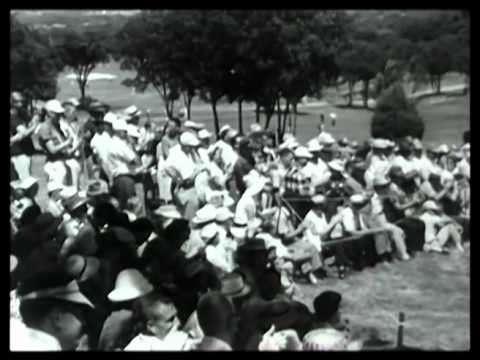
(224, 128)
(314, 146)
(132, 131)
(336, 165)
(319, 199)
(189, 139)
(357, 199)
(209, 231)
(302, 152)
(443, 149)
(120, 125)
(72, 101)
(54, 106)
(132, 110)
(255, 128)
(204, 134)
(333, 115)
(110, 118)
(193, 125)
(326, 139)
(379, 143)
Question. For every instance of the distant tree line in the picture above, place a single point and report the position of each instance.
(271, 58)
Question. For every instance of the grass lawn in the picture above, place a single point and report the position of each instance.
(433, 291)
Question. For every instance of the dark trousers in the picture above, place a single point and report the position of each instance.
(414, 230)
(356, 253)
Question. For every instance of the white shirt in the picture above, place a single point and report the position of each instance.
(322, 173)
(119, 157)
(349, 220)
(379, 165)
(181, 162)
(101, 145)
(227, 153)
(220, 257)
(246, 209)
(463, 168)
(174, 341)
(405, 164)
(315, 225)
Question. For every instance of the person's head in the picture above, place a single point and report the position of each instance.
(216, 316)
(405, 148)
(63, 320)
(435, 179)
(270, 285)
(177, 232)
(188, 142)
(159, 313)
(302, 156)
(17, 100)
(286, 157)
(173, 127)
(319, 204)
(54, 110)
(141, 228)
(326, 154)
(358, 202)
(327, 306)
(104, 213)
(381, 185)
(204, 136)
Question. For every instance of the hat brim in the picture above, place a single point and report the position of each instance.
(120, 295)
(75, 297)
(169, 214)
(245, 291)
(93, 265)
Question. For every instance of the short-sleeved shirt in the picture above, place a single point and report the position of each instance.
(24, 146)
(48, 132)
(352, 221)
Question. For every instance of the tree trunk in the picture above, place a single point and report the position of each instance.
(187, 101)
(350, 92)
(439, 84)
(240, 118)
(366, 84)
(285, 114)
(279, 120)
(82, 84)
(215, 117)
(295, 112)
(257, 113)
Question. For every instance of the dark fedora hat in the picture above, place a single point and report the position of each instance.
(97, 187)
(326, 305)
(233, 285)
(74, 202)
(81, 267)
(255, 244)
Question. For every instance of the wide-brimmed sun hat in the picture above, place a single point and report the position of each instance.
(379, 143)
(223, 214)
(193, 125)
(326, 139)
(431, 205)
(314, 146)
(302, 152)
(168, 211)
(97, 187)
(205, 214)
(54, 106)
(336, 165)
(189, 139)
(358, 199)
(132, 111)
(319, 199)
(130, 285)
(208, 232)
(70, 292)
(74, 202)
(204, 134)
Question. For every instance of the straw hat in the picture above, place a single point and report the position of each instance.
(97, 187)
(54, 106)
(132, 111)
(24, 184)
(302, 152)
(70, 292)
(379, 143)
(337, 165)
(204, 134)
(223, 214)
(189, 139)
(130, 285)
(132, 130)
(224, 129)
(430, 205)
(358, 199)
(326, 139)
(239, 229)
(110, 118)
(442, 149)
(205, 214)
(319, 199)
(325, 339)
(168, 211)
(193, 125)
(314, 146)
(208, 232)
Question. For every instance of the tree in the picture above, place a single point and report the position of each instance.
(82, 52)
(34, 64)
(395, 116)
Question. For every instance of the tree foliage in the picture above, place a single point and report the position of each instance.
(395, 116)
(34, 64)
(82, 52)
